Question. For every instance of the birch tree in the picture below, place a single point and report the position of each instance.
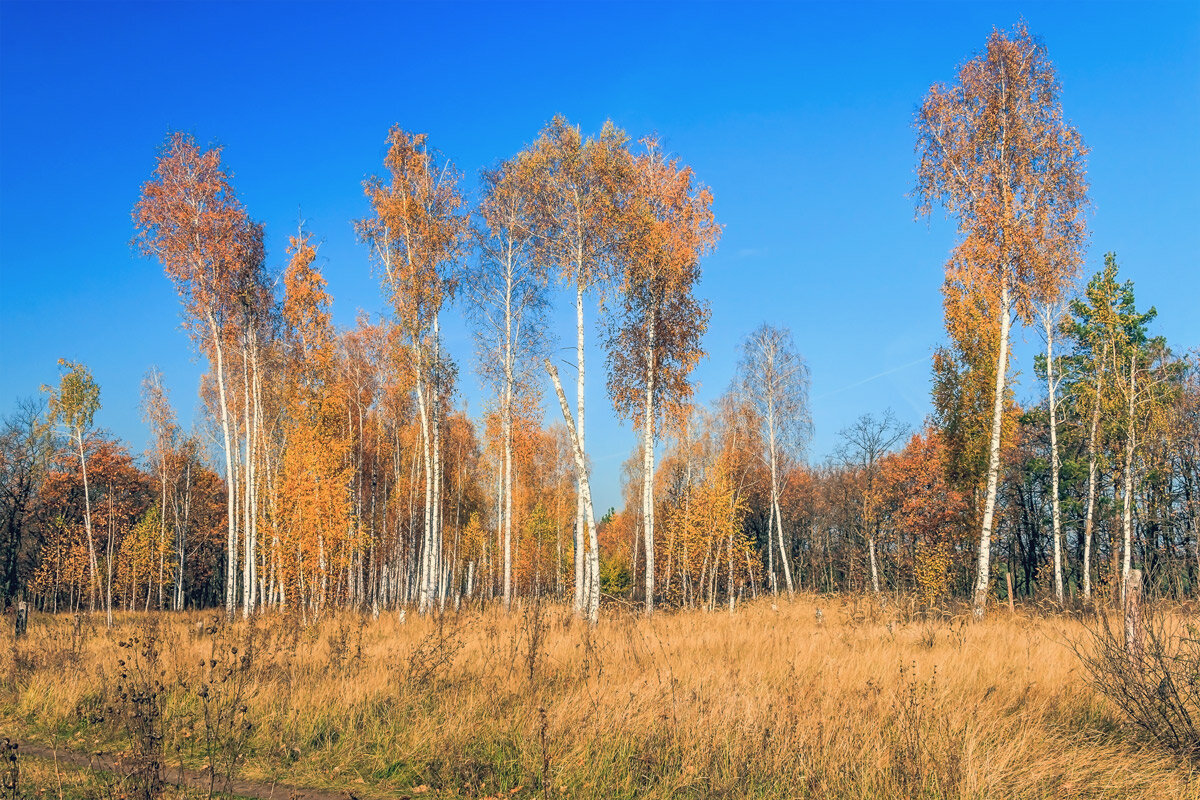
(417, 235)
(1142, 369)
(1049, 312)
(1091, 331)
(654, 338)
(190, 219)
(774, 378)
(577, 185)
(74, 405)
(996, 153)
(508, 305)
(158, 414)
(864, 444)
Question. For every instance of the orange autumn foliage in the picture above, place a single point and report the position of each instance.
(926, 512)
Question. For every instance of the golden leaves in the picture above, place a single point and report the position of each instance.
(995, 151)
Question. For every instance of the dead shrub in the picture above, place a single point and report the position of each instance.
(1158, 690)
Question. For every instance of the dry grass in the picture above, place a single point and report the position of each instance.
(869, 702)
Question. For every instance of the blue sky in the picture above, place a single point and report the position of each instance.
(797, 115)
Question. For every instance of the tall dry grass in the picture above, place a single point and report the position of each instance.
(861, 701)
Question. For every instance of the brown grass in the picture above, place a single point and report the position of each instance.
(869, 702)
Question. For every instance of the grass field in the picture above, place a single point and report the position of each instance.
(863, 700)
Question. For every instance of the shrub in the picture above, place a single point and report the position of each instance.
(1158, 689)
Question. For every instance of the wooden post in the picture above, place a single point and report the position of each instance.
(22, 618)
(1134, 634)
(1011, 608)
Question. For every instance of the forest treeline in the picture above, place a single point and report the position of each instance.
(335, 468)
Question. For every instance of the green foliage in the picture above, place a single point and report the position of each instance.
(614, 575)
(77, 398)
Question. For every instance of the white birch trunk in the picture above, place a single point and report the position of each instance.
(874, 567)
(783, 557)
(993, 474)
(582, 562)
(593, 599)
(231, 554)
(508, 435)
(1052, 401)
(1127, 501)
(1089, 519)
(247, 487)
(648, 469)
(87, 520)
(435, 415)
(424, 579)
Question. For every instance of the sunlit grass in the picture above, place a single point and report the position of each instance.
(868, 702)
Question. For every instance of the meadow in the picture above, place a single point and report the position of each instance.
(819, 697)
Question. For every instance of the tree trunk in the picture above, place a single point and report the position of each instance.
(247, 488)
(231, 555)
(1127, 500)
(436, 421)
(1056, 513)
(87, 520)
(874, 568)
(648, 471)
(508, 440)
(426, 566)
(109, 562)
(582, 565)
(593, 604)
(993, 474)
(1089, 519)
(783, 556)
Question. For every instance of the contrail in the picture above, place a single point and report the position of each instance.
(873, 377)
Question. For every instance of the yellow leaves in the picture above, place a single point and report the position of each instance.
(318, 531)
(418, 229)
(77, 398)
(306, 304)
(701, 523)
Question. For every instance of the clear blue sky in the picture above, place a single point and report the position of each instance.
(798, 116)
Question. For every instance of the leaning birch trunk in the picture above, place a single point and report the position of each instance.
(1056, 513)
(593, 606)
(783, 555)
(993, 473)
(648, 472)
(1127, 501)
(1089, 520)
(231, 555)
